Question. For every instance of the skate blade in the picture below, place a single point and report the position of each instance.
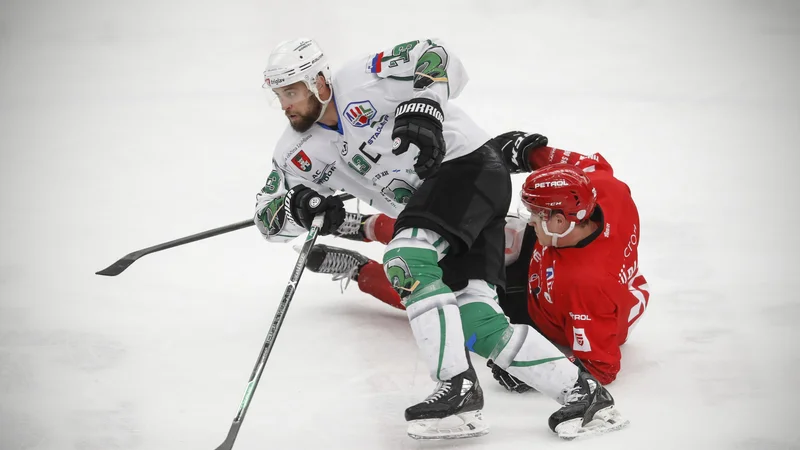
(458, 426)
(604, 421)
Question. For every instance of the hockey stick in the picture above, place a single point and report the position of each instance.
(123, 263)
(266, 349)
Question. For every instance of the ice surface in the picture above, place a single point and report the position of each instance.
(126, 124)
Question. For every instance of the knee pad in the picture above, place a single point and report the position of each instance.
(411, 263)
(482, 319)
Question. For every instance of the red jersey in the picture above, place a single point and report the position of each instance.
(589, 297)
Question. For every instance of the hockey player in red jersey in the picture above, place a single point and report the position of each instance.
(585, 291)
(571, 261)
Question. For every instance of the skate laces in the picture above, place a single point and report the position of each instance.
(441, 390)
(351, 224)
(345, 278)
(343, 267)
(577, 393)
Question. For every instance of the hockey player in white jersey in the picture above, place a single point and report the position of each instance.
(384, 129)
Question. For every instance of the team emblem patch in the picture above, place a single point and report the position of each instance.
(301, 161)
(359, 114)
(580, 342)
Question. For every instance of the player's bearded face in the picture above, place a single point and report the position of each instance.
(303, 115)
(299, 105)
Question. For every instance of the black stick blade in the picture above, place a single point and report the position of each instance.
(119, 266)
(228, 443)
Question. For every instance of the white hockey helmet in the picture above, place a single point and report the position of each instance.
(297, 60)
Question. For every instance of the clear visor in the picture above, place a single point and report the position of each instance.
(533, 214)
(284, 97)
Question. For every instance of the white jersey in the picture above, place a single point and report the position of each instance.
(356, 157)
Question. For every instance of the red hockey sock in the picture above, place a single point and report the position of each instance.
(379, 227)
(372, 280)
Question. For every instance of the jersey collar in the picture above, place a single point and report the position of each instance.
(597, 216)
(338, 121)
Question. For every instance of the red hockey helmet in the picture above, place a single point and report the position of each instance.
(559, 187)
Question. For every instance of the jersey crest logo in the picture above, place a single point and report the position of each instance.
(301, 161)
(359, 114)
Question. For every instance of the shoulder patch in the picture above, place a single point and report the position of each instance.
(391, 62)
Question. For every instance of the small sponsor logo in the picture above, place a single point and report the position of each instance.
(576, 317)
(303, 45)
(379, 124)
(322, 176)
(556, 183)
(297, 147)
(633, 241)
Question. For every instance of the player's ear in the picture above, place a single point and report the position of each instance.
(561, 220)
(322, 85)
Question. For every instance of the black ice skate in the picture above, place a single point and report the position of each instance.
(343, 264)
(588, 410)
(452, 411)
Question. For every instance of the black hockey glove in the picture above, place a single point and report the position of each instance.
(516, 147)
(508, 381)
(302, 204)
(419, 121)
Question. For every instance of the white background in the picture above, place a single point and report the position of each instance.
(126, 124)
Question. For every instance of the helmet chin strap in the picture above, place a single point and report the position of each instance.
(324, 107)
(555, 236)
(325, 103)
